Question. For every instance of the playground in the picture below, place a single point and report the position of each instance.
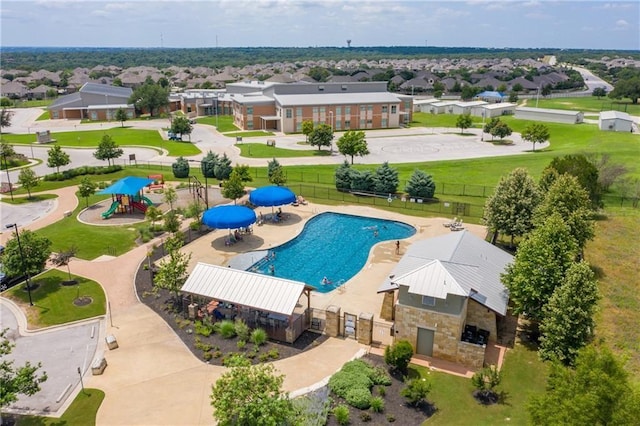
(131, 196)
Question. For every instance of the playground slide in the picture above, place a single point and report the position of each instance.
(112, 209)
(147, 201)
(140, 206)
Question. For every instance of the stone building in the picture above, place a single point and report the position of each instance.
(447, 297)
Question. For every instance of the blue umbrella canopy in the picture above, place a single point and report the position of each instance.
(229, 217)
(269, 196)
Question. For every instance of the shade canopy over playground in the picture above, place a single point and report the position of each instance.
(229, 217)
(130, 185)
(270, 196)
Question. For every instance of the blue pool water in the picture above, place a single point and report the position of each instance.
(331, 245)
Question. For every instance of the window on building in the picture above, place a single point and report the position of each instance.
(315, 110)
(188, 108)
(289, 113)
(338, 124)
(394, 109)
(363, 108)
(369, 124)
(347, 110)
(249, 110)
(407, 105)
(384, 123)
(385, 108)
(428, 301)
(321, 88)
(250, 125)
(344, 87)
(347, 124)
(298, 112)
(369, 107)
(362, 123)
(322, 110)
(299, 126)
(338, 111)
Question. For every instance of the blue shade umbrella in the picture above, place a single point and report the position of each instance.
(269, 196)
(229, 217)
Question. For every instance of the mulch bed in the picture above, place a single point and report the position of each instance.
(161, 301)
(396, 410)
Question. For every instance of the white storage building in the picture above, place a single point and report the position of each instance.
(549, 115)
(615, 121)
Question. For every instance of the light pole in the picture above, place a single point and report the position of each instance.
(81, 382)
(331, 121)
(484, 112)
(15, 226)
(6, 168)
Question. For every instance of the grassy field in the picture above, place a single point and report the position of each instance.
(614, 255)
(33, 103)
(452, 395)
(81, 412)
(224, 123)
(588, 104)
(53, 302)
(261, 150)
(44, 116)
(248, 134)
(27, 200)
(123, 136)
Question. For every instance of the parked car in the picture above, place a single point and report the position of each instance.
(174, 136)
(6, 282)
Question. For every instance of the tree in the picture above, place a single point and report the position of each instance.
(627, 88)
(181, 126)
(154, 214)
(535, 133)
(343, 177)
(172, 272)
(251, 395)
(468, 92)
(501, 130)
(28, 179)
(386, 179)
(597, 392)
(353, 143)
(599, 92)
(546, 90)
(490, 125)
(150, 97)
(233, 188)
(272, 166)
(36, 250)
(416, 391)
(171, 222)
(398, 355)
(14, 380)
(420, 185)
(485, 382)
(570, 202)
(223, 167)
(108, 150)
(86, 188)
(539, 267)
(208, 165)
(170, 196)
(5, 118)
(585, 171)
(464, 121)
(362, 180)
(510, 209)
(321, 136)
(608, 172)
(180, 168)
(513, 97)
(517, 88)
(57, 157)
(568, 322)
(276, 173)
(307, 129)
(438, 89)
(121, 116)
(549, 176)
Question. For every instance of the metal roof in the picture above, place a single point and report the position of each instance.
(431, 279)
(609, 115)
(547, 111)
(263, 292)
(474, 264)
(106, 90)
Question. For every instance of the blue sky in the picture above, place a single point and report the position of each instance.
(287, 23)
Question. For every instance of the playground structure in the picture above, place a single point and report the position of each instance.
(199, 191)
(158, 182)
(126, 196)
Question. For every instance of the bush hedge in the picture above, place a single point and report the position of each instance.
(82, 171)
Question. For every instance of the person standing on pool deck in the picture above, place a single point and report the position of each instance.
(398, 247)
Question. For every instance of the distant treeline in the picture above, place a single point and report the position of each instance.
(61, 58)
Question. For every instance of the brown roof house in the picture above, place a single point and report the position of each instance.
(446, 297)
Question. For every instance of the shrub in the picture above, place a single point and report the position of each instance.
(203, 328)
(341, 413)
(207, 356)
(416, 391)
(226, 328)
(204, 347)
(258, 337)
(263, 357)
(273, 354)
(241, 344)
(391, 418)
(486, 379)
(399, 355)
(242, 329)
(180, 168)
(359, 397)
(382, 391)
(341, 382)
(236, 360)
(379, 376)
(377, 404)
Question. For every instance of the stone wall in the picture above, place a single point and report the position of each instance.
(482, 317)
(470, 355)
(332, 326)
(386, 311)
(365, 328)
(448, 329)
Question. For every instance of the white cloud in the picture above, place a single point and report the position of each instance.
(621, 25)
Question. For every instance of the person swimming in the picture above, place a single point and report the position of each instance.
(326, 281)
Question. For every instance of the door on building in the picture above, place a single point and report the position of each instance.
(425, 342)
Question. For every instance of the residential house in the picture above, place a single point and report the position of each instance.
(446, 298)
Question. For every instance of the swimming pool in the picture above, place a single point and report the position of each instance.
(331, 245)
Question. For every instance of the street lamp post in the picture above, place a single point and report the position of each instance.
(484, 112)
(331, 121)
(81, 382)
(6, 167)
(15, 226)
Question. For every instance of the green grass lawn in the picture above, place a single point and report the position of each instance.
(44, 116)
(33, 103)
(27, 200)
(587, 104)
(523, 374)
(224, 122)
(53, 302)
(123, 136)
(90, 241)
(82, 412)
(249, 134)
(261, 150)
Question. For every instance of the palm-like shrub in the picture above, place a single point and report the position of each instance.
(258, 337)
